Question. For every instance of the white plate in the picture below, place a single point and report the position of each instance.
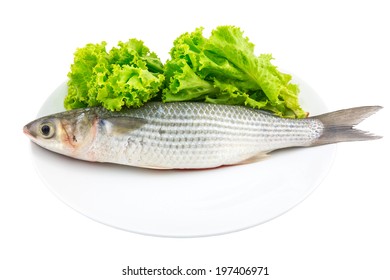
(186, 203)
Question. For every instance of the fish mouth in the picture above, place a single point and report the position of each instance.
(27, 132)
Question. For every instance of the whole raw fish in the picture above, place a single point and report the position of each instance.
(188, 135)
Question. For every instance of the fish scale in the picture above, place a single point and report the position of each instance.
(198, 135)
(184, 135)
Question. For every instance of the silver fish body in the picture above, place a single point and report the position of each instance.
(188, 135)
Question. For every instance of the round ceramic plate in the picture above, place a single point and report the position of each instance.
(186, 203)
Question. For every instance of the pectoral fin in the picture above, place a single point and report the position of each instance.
(121, 125)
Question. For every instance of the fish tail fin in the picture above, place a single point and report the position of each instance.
(339, 125)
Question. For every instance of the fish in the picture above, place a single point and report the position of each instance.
(189, 135)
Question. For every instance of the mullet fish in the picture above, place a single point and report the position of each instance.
(185, 135)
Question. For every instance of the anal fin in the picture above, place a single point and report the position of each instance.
(256, 158)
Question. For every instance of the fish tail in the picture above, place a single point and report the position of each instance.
(339, 125)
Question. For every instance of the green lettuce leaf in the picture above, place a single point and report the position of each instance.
(223, 69)
(127, 76)
(184, 83)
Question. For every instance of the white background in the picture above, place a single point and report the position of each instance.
(341, 48)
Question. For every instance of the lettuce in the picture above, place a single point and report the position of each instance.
(127, 76)
(223, 69)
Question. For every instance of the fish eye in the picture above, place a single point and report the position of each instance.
(46, 130)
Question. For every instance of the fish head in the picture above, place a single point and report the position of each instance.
(68, 133)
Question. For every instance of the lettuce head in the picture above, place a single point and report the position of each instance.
(127, 76)
(223, 69)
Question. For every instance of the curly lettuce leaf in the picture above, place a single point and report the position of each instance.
(230, 71)
(184, 83)
(127, 76)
